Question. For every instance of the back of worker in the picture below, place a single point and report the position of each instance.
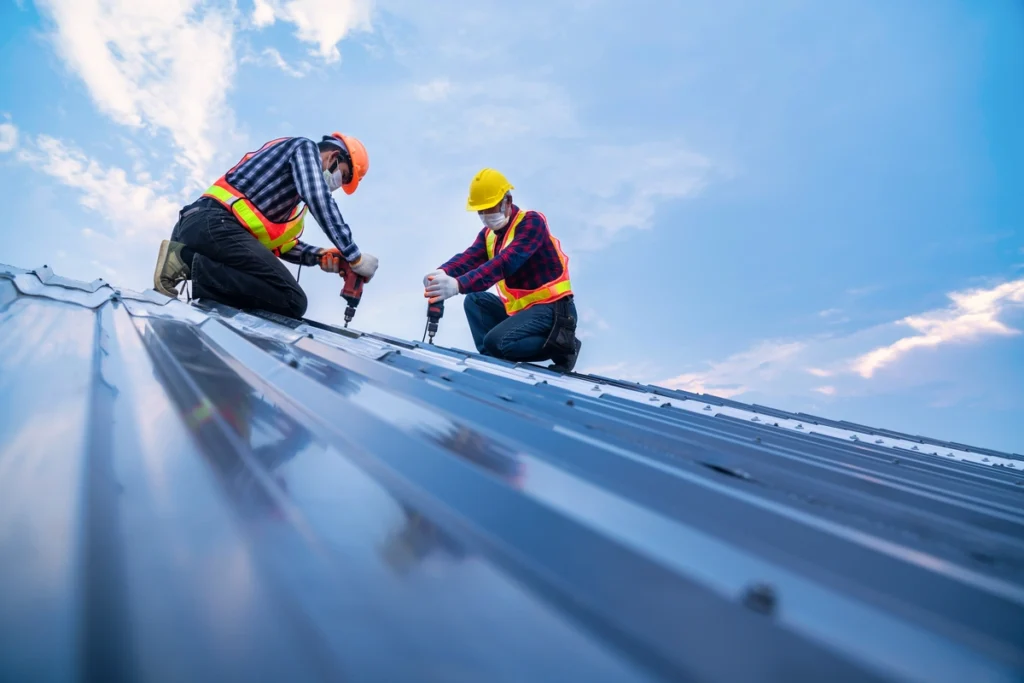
(533, 316)
(230, 240)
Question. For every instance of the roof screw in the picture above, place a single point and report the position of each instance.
(799, 426)
(707, 408)
(756, 419)
(570, 403)
(309, 336)
(653, 398)
(853, 437)
(915, 448)
(757, 439)
(775, 424)
(761, 598)
(294, 362)
(879, 441)
(596, 388)
(985, 460)
(895, 461)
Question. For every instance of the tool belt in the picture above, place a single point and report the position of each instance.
(562, 339)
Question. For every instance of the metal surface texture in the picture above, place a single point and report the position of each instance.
(190, 492)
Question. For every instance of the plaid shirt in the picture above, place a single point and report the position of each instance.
(278, 178)
(529, 262)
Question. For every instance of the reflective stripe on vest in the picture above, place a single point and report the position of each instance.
(278, 237)
(517, 300)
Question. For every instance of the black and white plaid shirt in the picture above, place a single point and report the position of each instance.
(278, 178)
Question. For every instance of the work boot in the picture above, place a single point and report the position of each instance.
(170, 270)
(566, 363)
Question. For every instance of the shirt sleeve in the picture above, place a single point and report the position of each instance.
(309, 181)
(302, 254)
(473, 257)
(530, 234)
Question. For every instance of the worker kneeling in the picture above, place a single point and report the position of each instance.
(533, 317)
(228, 242)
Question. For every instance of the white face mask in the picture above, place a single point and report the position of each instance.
(495, 221)
(333, 180)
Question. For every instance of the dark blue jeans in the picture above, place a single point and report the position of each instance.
(231, 266)
(520, 337)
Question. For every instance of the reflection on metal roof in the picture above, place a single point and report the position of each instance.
(197, 493)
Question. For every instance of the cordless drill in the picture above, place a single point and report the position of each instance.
(352, 290)
(434, 314)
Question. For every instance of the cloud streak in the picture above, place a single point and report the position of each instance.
(165, 65)
(324, 23)
(134, 210)
(852, 362)
(973, 315)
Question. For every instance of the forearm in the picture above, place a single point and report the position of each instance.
(302, 254)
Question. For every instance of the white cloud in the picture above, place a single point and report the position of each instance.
(321, 22)
(133, 209)
(433, 91)
(8, 137)
(274, 57)
(974, 314)
(262, 14)
(826, 390)
(628, 194)
(165, 65)
(829, 312)
(732, 376)
(818, 372)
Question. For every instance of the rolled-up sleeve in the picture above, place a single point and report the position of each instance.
(309, 181)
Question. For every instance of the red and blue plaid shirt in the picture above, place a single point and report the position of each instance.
(529, 262)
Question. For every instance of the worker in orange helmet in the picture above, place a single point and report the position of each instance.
(230, 242)
(533, 316)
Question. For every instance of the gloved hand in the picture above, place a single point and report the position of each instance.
(330, 260)
(429, 276)
(441, 287)
(365, 265)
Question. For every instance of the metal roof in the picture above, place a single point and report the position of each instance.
(190, 492)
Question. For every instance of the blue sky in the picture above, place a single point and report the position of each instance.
(815, 206)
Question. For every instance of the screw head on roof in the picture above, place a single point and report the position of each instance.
(707, 408)
(895, 461)
(756, 419)
(799, 426)
(775, 424)
(570, 403)
(915, 448)
(853, 437)
(879, 441)
(653, 398)
(757, 439)
(761, 598)
(596, 388)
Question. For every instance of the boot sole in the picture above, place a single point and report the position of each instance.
(161, 261)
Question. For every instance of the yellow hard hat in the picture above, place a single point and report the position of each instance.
(487, 189)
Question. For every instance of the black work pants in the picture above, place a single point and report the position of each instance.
(231, 266)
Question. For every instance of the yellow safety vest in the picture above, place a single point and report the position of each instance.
(517, 300)
(278, 237)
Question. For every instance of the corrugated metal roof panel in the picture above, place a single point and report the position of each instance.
(194, 492)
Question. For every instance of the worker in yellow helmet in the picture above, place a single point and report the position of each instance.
(533, 317)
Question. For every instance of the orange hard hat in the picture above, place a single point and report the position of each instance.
(358, 159)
